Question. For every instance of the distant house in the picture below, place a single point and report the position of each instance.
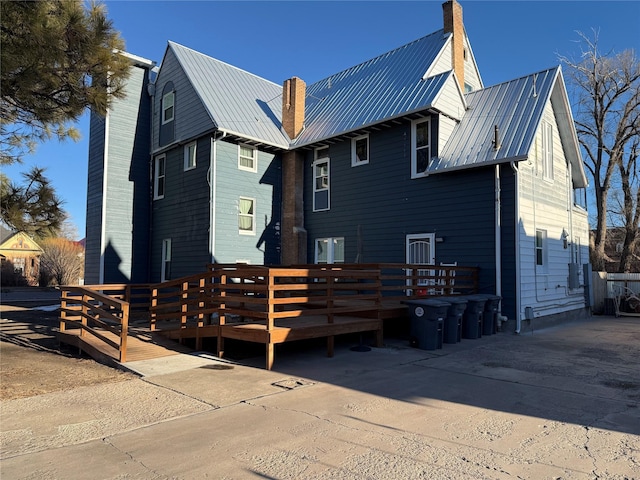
(613, 251)
(406, 157)
(20, 257)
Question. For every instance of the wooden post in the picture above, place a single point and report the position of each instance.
(85, 313)
(124, 333)
(221, 314)
(330, 303)
(153, 317)
(63, 306)
(184, 307)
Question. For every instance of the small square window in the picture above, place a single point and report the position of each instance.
(168, 107)
(190, 156)
(247, 158)
(247, 216)
(360, 150)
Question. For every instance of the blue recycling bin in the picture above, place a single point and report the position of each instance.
(452, 332)
(473, 316)
(427, 322)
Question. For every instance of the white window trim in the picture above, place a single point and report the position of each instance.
(253, 217)
(547, 151)
(317, 162)
(355, 162)
(156, 177)
(166, 258)
(544, 248)
(254, 158)
(187, 165)
(414, 156)
(172, 94)
(331, 257)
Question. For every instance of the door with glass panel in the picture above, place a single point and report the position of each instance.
(421, 250)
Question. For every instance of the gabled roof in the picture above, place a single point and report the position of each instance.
(19, 242)
(383, 88)
(516, 108)
(238, 102)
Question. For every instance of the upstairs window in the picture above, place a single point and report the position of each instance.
(159, 177)
(247, 158)
(321, 180)
(420, 147)
(360, 150)
(247, 216)
(547, 151)
(190, 156)
(168, 107)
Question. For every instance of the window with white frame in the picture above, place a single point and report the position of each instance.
(547, 151)
(168, 107)
(159, 177)
(247, 158)
(190, 156)
(360, 150)
(541, 249)
(420, 147)
(329, 250)
(247, 216)
(321, 180)
(165, 272)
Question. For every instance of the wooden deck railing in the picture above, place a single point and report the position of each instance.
(189, 301)
(95, 313)
(402, 280)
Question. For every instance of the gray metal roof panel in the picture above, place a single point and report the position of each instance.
(516, 107)
(379, 89)
(238, 102)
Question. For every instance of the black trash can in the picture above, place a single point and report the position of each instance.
(490, 314)
(427, 321)
(452, 332)
(473, 316)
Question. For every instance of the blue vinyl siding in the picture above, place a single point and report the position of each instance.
(387, 204)
(183, 214)
(265, 187)
(95, 177)
(124, 172)
(191, 119)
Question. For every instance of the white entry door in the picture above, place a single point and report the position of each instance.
(421, 250)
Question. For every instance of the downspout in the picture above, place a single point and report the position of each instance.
(498, 251)
(517, 246)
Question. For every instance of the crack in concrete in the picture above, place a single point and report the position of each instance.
(108, 442)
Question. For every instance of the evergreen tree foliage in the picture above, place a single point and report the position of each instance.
(58, 57)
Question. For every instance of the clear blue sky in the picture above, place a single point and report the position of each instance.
(315, 39)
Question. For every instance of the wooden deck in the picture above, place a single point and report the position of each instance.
(252, 303)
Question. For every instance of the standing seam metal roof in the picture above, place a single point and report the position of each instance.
(238, 102)
(516, 107)
(382, 88)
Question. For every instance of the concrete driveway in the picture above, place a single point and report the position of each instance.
(558, 403)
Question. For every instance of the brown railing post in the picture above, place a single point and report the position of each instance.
(124, 333)
(153, 316)
(221, 314)
(270, 317)
(330, 304)
(63, 306)
(85, 313)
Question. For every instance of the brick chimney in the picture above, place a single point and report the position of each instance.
(293, 93)
(452, 12)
